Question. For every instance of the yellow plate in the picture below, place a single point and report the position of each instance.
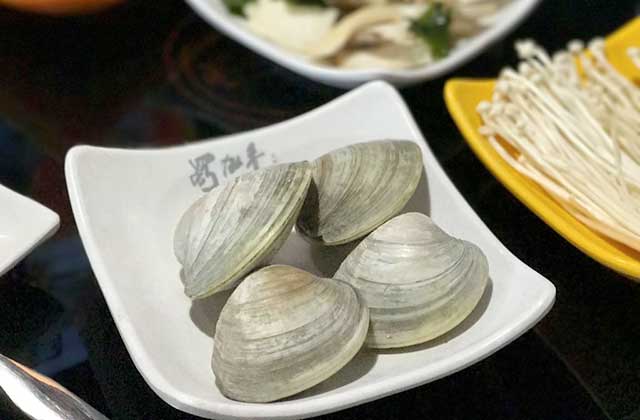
(463, 95)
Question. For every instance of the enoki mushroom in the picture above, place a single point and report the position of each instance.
(571, 123)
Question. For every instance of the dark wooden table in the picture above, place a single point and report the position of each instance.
(153, 74)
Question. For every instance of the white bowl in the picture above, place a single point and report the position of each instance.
(216, 13)
(23, 225)
(127, 203)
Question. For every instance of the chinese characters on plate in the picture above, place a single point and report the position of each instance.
(207, 167)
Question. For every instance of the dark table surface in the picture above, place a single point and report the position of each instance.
(150, 73)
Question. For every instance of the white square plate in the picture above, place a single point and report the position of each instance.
(216, 13)
(24, 224)
(127, 203)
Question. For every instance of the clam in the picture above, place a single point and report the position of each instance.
(417, 281)
(237, 226)
(284, 330)
(357, 188)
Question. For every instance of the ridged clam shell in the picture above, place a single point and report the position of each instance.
(417, 281)
(236, 226)
(357, 188)
(283, 330)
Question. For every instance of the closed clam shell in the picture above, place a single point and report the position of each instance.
(283, 330)
(238, 225)
(357, 188)
(417, 281)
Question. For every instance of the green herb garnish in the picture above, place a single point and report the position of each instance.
(433, 28)
(236, 6)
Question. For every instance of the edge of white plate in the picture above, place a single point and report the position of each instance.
(348, 78)
(335, 402)
(51, 223)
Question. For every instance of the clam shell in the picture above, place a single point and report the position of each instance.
(418, 281)
(236, 226)
(283, 330)
(357, 188)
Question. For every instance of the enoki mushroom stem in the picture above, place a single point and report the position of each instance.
(574, 123)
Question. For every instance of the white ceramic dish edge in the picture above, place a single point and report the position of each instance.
(43, 224)
(330, 403)
(218, 17)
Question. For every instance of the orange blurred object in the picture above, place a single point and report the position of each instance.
(60, 7)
